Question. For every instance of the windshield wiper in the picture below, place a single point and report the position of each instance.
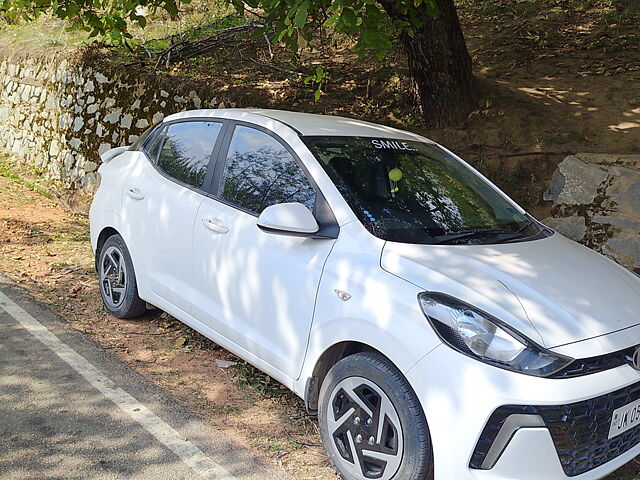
(468, 234)
(517, 233)
(453, 236)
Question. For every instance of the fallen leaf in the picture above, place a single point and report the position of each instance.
(180, 341)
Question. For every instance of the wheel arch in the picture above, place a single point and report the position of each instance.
(323, 364)
(109, 228)
(104, 234)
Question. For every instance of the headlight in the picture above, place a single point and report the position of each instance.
(483, 337)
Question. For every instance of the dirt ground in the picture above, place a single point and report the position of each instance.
(45, 248)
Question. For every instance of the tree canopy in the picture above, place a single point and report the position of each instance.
(428, 30)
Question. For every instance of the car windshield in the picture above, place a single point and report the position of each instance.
(416, 192)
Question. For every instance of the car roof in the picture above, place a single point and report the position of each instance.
(307, 124)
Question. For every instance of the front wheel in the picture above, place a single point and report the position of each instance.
(118, 286)
(371, 422)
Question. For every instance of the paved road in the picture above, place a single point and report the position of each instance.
(69, 410)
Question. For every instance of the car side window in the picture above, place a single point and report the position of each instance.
(152, 147)
(260, 172)
(185, 150)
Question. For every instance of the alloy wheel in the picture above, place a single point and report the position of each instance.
(113, 276)
(365, 430)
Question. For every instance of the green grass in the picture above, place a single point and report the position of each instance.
(47, 34)
(9, 171)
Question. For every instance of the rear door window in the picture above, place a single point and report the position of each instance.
(259, 171)
(184, 150)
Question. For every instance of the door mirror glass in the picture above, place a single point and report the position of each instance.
(288, 218)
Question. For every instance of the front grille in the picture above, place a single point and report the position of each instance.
(579, 430)
(587, 366)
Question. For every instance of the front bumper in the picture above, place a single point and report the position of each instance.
(460, 395)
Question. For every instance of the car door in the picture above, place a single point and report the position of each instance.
(255, 288)
(161, 198)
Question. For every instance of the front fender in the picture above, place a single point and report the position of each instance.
(382, 310)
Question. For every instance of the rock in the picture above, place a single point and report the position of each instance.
(142, 123)
(100, 78)
(90, 167)
(575, 182)
(126, 121)
(54, 148)
(114, 116)
(225, 363)
(574, 228)
(104, 147)
(629, 198)
(89, 87)
(157, 118)
(78, 123)
(555, 187)
(624, 249)
(617, 221)
(89, 181)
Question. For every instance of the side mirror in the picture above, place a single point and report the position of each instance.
(288, 219)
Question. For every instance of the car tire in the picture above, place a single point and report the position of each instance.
(355, 394)
(117, 279)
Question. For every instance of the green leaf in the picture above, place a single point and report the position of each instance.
(301, 14)
(171, 8)
(348, 17)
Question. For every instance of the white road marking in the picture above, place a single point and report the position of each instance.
(165, 434)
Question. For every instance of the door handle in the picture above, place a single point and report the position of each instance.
(135, 194)
(214, 225)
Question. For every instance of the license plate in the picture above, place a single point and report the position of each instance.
(625, 418)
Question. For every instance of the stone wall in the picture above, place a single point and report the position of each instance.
(59, 114)
(597, 202)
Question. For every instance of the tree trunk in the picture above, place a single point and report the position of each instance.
(439, 65)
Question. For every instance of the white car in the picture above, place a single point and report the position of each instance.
(437, 329)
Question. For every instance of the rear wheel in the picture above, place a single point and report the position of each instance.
(371, 422)
(118, 286)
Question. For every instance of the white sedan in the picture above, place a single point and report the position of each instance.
(437, 329)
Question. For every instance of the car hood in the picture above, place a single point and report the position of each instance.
(552, 290)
